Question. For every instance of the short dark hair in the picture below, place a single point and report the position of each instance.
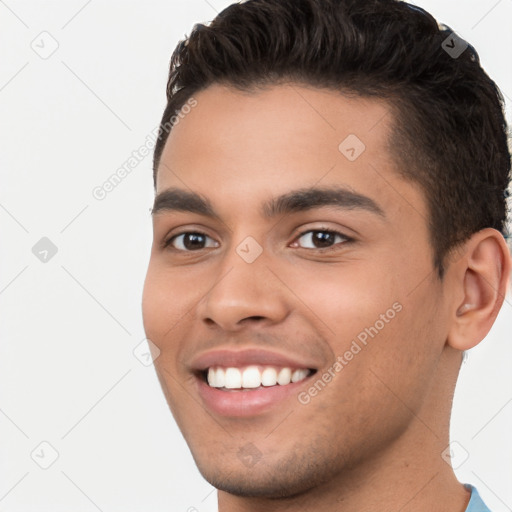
(449, 131)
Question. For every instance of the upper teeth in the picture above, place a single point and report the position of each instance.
(253, 376)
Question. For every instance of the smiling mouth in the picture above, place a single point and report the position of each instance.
(252, 377)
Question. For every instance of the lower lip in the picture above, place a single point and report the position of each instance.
(248, 402)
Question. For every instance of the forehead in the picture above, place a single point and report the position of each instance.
(247, 146)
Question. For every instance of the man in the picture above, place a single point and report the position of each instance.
(330, 206)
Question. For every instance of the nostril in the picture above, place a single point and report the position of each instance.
(231, 320)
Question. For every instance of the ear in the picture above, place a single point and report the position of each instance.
(481, 278)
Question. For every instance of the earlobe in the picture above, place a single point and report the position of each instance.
(482, 274)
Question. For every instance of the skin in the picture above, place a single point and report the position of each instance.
(373, 437)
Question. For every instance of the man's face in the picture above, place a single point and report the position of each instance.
(300, 284)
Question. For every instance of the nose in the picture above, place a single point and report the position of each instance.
(244, 294)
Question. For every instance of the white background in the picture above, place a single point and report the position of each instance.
(68, 375)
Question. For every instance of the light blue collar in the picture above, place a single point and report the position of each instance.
(475, 503)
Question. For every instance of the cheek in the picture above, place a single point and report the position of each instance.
(371, 317)
(169, 301)
(152, 303)
(345, 299)
(162, 303)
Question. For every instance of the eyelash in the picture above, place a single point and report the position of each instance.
(167, 243)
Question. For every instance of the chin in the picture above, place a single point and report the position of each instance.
(283, 479)
(247, 486)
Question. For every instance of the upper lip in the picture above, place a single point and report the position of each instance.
(228, 357)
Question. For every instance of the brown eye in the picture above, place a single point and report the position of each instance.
(321, 239)
(191, 241)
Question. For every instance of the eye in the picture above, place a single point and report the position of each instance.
(190, 241)
(321, 239)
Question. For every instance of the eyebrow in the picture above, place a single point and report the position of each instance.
(176, 199)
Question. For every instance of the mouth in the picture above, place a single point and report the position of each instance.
(251, 381)
(253, 377)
